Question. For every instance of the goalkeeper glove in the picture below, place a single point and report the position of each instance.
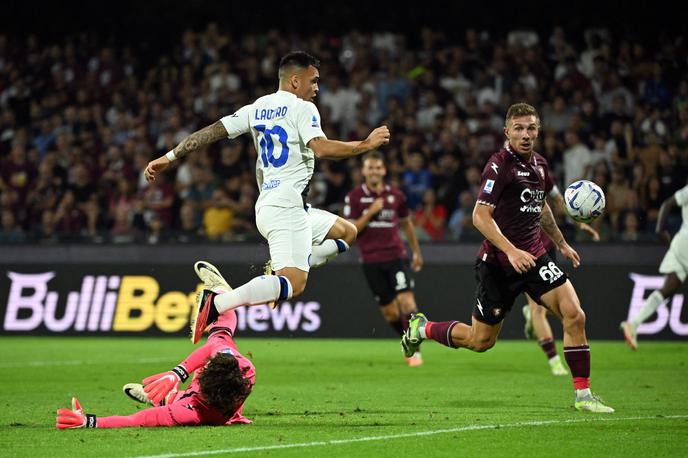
(74, 418)
(162, 388)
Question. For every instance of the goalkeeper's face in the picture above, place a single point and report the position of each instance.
(223, 384)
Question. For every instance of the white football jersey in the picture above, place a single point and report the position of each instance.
(281, 125)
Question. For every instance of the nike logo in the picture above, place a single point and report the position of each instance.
(480, 307)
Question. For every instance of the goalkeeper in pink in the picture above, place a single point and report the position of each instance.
(222, 382)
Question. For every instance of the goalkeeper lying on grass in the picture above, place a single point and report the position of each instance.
(224, 379)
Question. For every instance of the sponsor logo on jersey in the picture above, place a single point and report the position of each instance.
(272, 184)
(523, 174)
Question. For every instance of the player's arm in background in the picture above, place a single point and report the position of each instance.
(549, 225)
(361, 217)
(556, 196)
(406, 221)
(664, 212)
(410, 232)
(227, 127)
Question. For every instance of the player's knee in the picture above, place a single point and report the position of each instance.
(482, 345)
(297, 280)
(576, 319)
(297, 287)
(350, 232)
(407, 303)
(539, 312)
(390, 312)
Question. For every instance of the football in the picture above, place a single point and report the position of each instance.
(584, 201)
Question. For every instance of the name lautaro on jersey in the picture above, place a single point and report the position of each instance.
(270, 113)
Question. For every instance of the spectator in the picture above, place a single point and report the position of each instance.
(430, 219)
(577, 159)
(417, 179)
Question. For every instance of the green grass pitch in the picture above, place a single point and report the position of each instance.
(354, 398)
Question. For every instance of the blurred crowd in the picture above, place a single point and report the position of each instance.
(80, 119)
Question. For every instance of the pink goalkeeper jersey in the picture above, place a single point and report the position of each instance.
(189, 407)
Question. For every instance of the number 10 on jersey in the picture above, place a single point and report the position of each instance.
(267, 145)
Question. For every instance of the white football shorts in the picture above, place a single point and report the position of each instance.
(676, 259)
(291, 232)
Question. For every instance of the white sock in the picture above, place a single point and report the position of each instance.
(584, 393)
(649, 307)
(257, 291)
(326, 251)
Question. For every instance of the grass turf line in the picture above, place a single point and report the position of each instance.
(338, 390)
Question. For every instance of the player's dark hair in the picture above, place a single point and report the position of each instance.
(223, 385)
(298, 59)
(375, 155)
(521, 109)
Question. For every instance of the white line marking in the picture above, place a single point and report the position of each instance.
(405, 435)
(82, 362)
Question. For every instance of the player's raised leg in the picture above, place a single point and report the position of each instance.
(478, 337)
(543, 332)
(332, 236)
(630, 328)
(564, 303)
(288, 233)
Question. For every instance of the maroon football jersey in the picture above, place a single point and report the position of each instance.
(380, 240)
(516, 189)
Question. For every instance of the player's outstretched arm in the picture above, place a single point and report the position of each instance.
(335, 149)
(160, 386)
(193, 142)
(483, 220)
(549, 225)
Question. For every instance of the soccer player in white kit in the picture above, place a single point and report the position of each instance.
(287, 134)
(674, 265)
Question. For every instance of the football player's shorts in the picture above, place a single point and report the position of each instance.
(387, 279)
(498, 286)
(291, 232)
(676, 259)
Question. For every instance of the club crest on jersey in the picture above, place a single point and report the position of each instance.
(390, 199)
(314, 122)
(489, 184)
